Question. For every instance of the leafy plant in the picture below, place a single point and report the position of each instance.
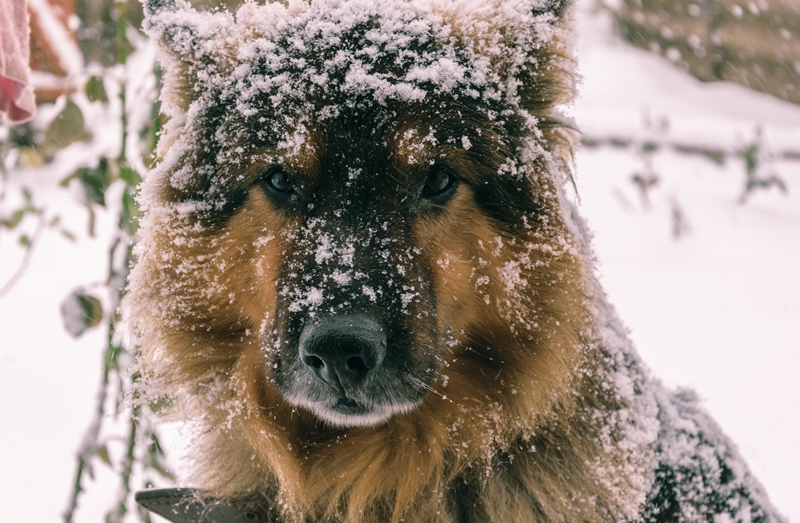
(756, 157)
(121, 435)
(646, 178)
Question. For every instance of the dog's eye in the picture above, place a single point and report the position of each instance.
(440, 181)
(278, 180)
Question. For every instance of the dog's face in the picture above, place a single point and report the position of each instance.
(373, 209)
(354, 334)
(347, 198)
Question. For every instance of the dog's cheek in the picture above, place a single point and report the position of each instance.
(455, 242)
(254, 250)
(269, 235)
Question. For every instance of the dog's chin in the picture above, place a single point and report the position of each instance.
(346, 413)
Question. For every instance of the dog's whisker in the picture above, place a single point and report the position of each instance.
(429, 388)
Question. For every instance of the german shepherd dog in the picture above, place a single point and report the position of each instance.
(361, 271)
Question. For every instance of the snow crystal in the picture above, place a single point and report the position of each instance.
(347, 254)
(370, 293)
(313, 298)
(263, 240)
(407, 297)
(323, 252)
(342, 278)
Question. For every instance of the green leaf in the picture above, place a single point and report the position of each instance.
(15, 219)
(717, 157)
(102, 453)
(24, 240)
(30, 157)
(130, 176)
(65, 181)
(80, 312)
(65, 129)
(95, 181)
(649, 147)
(112, 353)
(95, 90)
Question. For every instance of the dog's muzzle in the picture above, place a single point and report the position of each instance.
(343, 351)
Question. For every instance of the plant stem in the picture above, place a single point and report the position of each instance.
(90, 439)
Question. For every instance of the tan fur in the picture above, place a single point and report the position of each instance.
(516, 416)
(516, 383)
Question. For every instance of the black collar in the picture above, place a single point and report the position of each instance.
(185, 505)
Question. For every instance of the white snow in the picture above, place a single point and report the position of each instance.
(715, 309)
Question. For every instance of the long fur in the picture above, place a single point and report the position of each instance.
(539, 410)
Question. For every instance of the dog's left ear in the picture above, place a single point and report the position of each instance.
(528, 43)
(548, 80)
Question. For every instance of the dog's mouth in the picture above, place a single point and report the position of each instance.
(350, 406)
(349, 371)
(348, 412)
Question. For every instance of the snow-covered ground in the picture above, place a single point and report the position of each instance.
(716, 309)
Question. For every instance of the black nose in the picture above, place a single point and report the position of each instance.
(343, 350)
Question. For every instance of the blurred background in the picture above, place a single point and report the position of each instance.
(689, 176)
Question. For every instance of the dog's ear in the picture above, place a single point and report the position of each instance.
(548, 80)
(527, 43)
(556, 7)
(193, 45)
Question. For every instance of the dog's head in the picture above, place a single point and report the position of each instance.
(354, 196)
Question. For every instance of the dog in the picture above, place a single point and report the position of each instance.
(360, 271)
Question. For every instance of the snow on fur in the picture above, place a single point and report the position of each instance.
(272, 72)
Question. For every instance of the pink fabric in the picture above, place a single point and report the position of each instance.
(17, 101)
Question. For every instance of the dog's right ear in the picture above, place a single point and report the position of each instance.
(177, 26)
(194, 48)
(556, 7)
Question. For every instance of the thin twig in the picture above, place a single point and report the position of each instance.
(90, 440)
(27, 257)
(718, 153)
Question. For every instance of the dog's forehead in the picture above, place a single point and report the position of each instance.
(299, 73)
(370, 50)
(379, 81)
(361, 156)
(335, 60)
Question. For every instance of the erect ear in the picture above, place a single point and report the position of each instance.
(548, 80)
(527, 48)
(556, 7)
(527, 43)
(195, 48)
